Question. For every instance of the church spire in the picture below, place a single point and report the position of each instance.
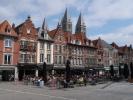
(59, 24)
(66, 22)
(66, 14)
(44, 25)
(44, 28)
(80, 26)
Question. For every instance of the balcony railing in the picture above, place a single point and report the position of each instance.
(28, 48)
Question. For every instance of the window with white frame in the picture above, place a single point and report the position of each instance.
(81, 61)
(41, 45)
(8, 42)
(55, 59)
(48, 58)
(45, 35)
(41, 57)
(7, 59)
(23, 58)
(48, 46)
(33, 58)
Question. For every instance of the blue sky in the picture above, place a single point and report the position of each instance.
(112, 20)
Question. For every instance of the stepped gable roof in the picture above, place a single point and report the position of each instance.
(17, 27)
(28, 20)
(80, 36)
(99, 43)
(52, 33)
(67, 35)
(5, 26)
(115, 45)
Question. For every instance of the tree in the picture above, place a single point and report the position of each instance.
(126, 71)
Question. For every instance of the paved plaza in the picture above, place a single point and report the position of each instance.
(108, 91)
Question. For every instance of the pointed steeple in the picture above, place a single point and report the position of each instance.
(44, 29)
(59, 25)
(66, 22)
(80, 20)
(44, 25)
(66, 14)
(80, 26)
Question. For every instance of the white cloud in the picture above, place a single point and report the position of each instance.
(99, 12)
(96, 14)
(121, 36)
(18, 9)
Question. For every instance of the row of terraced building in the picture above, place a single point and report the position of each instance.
(24, 49)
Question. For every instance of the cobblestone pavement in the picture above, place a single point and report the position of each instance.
(109, 91)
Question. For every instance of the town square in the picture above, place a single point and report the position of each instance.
(66, 50)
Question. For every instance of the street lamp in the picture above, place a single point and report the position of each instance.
(68, 71)
(44, 72)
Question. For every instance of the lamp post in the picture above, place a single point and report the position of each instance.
(45, 72)
(68, 71)
(112, 71)
(126, 71)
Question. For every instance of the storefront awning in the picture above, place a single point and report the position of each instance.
(4, 67)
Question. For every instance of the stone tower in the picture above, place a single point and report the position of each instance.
(80, 26)
(66, 23)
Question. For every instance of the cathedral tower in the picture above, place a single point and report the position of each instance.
(66, 23)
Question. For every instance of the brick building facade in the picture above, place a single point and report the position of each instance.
(74, 45)
(27, 36)
(106, 54)
(9, 50)
(24, 48)
(125, 54)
